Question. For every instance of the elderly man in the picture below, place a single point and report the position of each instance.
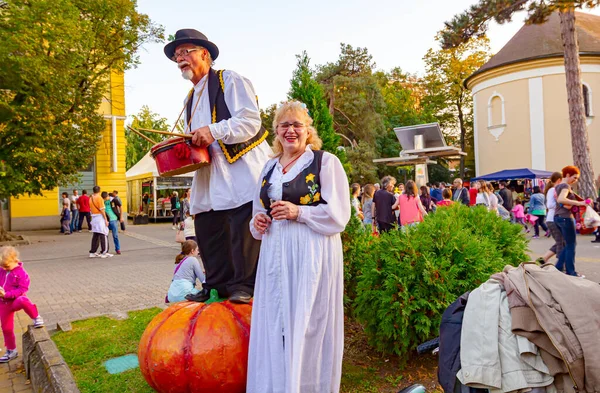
(383, 200)
(460, 193)
(222, 114)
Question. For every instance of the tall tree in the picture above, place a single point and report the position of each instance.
(57, 57)
(447, 97)
(137, 147)
(307, 90)
(474, 22)
(267, 116)
(403, 95)
(356, 103)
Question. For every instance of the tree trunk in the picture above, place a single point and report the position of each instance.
(463, 134)
(331, 101)
(579, 136)
(4, 236)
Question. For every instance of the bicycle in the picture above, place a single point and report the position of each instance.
(429, 346)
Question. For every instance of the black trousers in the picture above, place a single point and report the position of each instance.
(99, 238)
(88, 218)
(228, 250)
(385, 226)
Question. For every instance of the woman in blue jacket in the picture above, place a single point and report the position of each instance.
(537, 207)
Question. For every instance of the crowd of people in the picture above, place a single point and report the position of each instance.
(102, 212)
(549, 206)
(264, 223)
(389, 205)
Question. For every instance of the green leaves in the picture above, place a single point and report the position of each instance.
(58, 58)
(306, 89)
(399, 284)
(474, 22)
(137, 147)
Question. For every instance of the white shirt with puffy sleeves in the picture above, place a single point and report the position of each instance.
(221, 185)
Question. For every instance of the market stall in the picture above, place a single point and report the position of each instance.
(143, 179)
(515, 174)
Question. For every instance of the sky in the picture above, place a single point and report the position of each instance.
(260, 40)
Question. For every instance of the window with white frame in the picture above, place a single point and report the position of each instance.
(496, 115)
(587, 102)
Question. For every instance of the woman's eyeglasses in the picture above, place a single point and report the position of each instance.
(285, 126)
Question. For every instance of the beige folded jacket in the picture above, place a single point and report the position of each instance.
(561, 315)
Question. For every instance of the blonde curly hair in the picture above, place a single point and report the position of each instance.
(298, 108)
(8, 254)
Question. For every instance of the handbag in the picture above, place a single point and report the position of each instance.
(591, 219)
(180, 236)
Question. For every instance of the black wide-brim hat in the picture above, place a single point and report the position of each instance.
(191, 36)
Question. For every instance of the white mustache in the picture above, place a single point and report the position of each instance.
(183, 64)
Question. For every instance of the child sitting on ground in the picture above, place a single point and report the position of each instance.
(519, 213)
(65, 219)
(14, 282)
(187, 271)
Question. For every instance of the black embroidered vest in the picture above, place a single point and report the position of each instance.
(219, 111)
(303, 190)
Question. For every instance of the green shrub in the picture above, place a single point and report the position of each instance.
(406, 279)
(356, 241)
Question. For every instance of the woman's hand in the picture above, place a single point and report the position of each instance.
(2, 293)
(282, 210)
(262, 222)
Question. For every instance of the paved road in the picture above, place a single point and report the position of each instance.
(587, 260)
(67, 285)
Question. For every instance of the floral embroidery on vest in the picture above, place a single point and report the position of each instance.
(313, 191)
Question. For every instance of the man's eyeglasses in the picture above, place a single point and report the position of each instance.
(183, 52)
(297, 126)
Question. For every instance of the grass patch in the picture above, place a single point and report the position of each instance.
(93, 341)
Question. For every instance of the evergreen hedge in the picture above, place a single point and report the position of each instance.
(400, 283)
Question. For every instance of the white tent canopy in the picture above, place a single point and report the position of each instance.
(145, 170)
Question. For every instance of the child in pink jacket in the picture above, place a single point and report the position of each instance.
(519, 213)
(14, 283)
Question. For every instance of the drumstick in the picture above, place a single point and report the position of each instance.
(168, 133)
(142, 135)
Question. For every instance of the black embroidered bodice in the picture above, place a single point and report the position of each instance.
(303, 190)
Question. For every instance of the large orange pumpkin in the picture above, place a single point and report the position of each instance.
(197, 348)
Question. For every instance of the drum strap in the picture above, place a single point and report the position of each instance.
(219, 111)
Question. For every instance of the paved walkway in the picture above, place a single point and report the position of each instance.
(66, 285)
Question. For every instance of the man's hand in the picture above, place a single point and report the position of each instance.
(282, 210)
(202, 136)
(262, 222)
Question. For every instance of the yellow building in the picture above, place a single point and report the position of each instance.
(107, 170)
(521, 117)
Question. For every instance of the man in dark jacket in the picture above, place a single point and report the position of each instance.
(507, 199)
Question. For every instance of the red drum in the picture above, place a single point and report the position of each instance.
(176, 156)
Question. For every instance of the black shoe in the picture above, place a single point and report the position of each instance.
(240, 297)
(200, 297)
(596, 241)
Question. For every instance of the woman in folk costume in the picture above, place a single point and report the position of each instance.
(297, 335)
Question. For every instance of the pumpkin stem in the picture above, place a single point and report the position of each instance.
(214, 297)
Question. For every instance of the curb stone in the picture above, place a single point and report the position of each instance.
(44, 365)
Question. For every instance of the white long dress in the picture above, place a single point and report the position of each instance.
(297, 333)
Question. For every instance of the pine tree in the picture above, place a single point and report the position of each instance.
(474, 23)
(306, 89)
